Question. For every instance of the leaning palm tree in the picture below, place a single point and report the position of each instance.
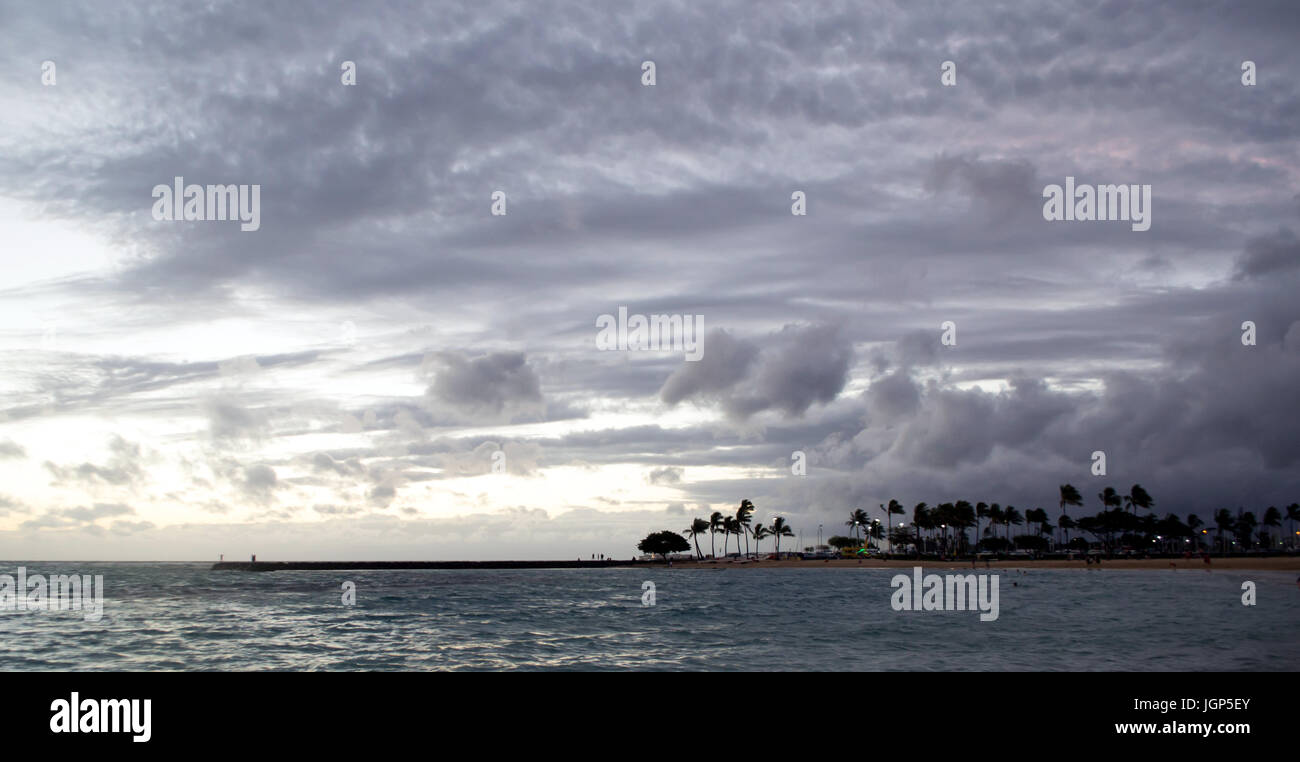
(1066, 523)
(715, 526)
(943, 518)
(1246, 524)
(921, 520)
(1069, 496)
(894, 508)
(744, 515)
(1223, 519)
(1138, 498)
(857, 518)
(996, 516)
(1009, 517)
(1109, 499)
(780, 529)
(759, 531)
(963, 517)
(697, 528)
(1272, 518)
(728, 529)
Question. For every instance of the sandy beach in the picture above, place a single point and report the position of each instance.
(1274, 563)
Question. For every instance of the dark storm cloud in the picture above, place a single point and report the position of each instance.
(794, 369)
(1267, 255)
(491, 382)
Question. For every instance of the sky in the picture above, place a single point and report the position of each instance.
(386, 369)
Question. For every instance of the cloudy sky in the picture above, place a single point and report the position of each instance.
(336, 383)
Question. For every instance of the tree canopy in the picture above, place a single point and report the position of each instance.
(663, 543)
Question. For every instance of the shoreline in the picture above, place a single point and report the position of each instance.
(269, 566)
(1272, 563)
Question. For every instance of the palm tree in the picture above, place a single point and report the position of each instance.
(743, 517)
(1293, 515)
(996, 516)
(1036, 516)
(1194, 522)
(1109, 499)
(981, 512)
(894, 508)
(943, 517)
(963, 517)
(1272, 518)
(780, 529)
(1170, 528)
(1066, 524)
(921, 520)
(1069, 496)
(857, 518)
(1012, 516)
(728, 529)
(1224, 520)
(1138, 498)
(697, 528)
(759, 532)
(1246, 524)
(715, 526)
(875, 531)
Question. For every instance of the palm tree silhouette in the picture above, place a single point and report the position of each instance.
(1223, 520)
(1066, 524)
(857, 518)
(728, 529)
(715, 526)
(963, 517)
(894, 508)
(996, 516)
(760, 532)
(780, 529)
(1069, 496)
(1293, 515)
(743, 517)
(1246, 524)
(921, 520)
(697, 528)
(1138, 498)
(1272, 518)
(942, 518)
(1012, 516)
(1109, 499)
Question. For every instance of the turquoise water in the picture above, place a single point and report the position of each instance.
(185, 617)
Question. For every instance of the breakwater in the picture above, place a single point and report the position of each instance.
(267, 566)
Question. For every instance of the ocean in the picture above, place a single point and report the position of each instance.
(186, 617)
